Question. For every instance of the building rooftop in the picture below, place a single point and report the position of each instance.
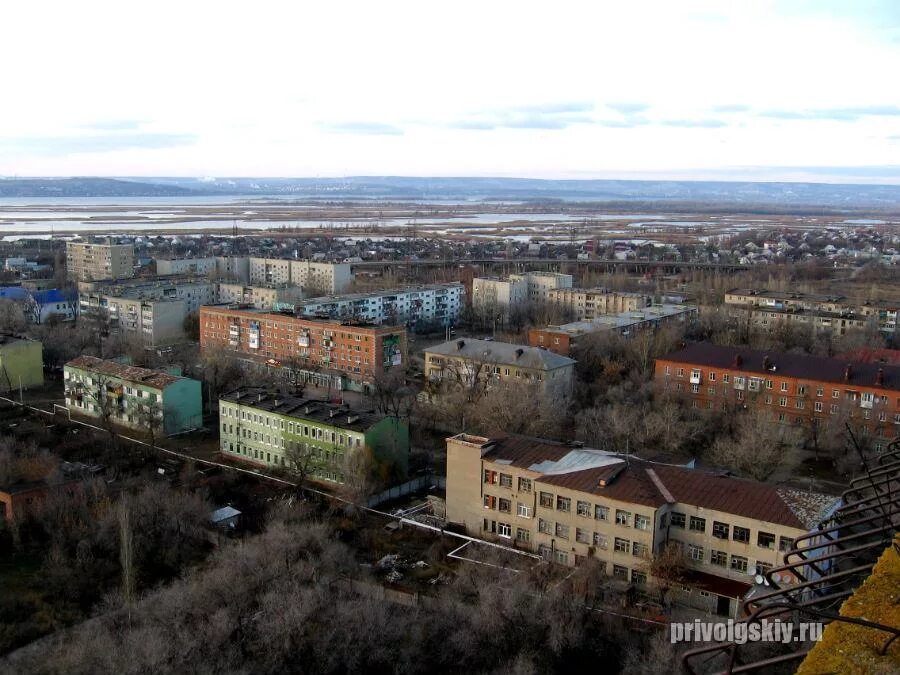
(133, 374)
(637, 481)
(813, 368)
(230, 308)
(346, 297)
(622, 319)
(501, 353)
(311, 410)
(785, 295)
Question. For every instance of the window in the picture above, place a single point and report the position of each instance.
(524, 485)
(711, 391)
(784, 386)
(720, 530)
(726, 378)
(712, 377)
(741, 534)
(622, 545)
(818, 406)
(677, 519)
(785, 544)
(583, 509)
(769, 384)
(698, 524)
(546, 500)
(504, 530)
(820, 391)
(782, 402)
(504, 505)
(719, 558)
(679, 372)
(639, 550)
(523, 510)
(641, 522)
(765, 540)
(490, 502)
(490, 477)
(799, 404)
(638, 578)
(601, 541)
(505, 480)
(561, 557)
(545, 526)
(695, 388)
(668, 368)
(562, 531)
(581, 536)
(801, 389)
(835, 393)
(739, 564)
(601, 513)
(623, 518)
(522, 534)
(563, 504)
(695, 552)
(620, 572)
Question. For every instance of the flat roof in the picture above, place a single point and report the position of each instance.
(622, 319)
(346, 297)
(228, 308)
(501, 352)
(308, 409)
(133, 374)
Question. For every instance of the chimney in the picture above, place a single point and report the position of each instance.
(460, 344)
(519, 352)
(332, 412)
(352, 418)
(259, 397)
(766, 362)
(848, 372)
(737, 361)
(879, 378)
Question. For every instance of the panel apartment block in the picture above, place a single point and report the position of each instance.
(93, 262)
(588, 303)
(358, 353)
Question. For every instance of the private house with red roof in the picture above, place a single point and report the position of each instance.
(794, 387)
(569, 503)
(134, 397)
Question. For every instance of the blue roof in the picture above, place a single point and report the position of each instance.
(13, 293)
(48, 296)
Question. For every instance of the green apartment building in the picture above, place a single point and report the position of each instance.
(268, 429)
(134, 397)
(21, 363)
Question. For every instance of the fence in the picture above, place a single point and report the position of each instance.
(414, 485)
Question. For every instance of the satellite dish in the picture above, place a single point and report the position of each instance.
(759, 579)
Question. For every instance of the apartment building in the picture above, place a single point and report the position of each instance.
(563, 339)
(315, 437)
(259, 297)
(462, 362)
(589, 303)
(539, 284)
(494, 295)
(570, 503)
(232, 268)
(21, 363)
(794, 387)
(93, 262)
(417, 307)
(133, 397)
(321, 277)
(342, 354)
(834, 313)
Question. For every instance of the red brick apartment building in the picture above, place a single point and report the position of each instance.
(356, 353)
(795, 387)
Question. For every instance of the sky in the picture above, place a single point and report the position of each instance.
(794, 90)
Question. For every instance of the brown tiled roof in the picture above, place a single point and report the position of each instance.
(134, 374)
(813, 368)
(522, 451)
(867, 355)
(629, 484)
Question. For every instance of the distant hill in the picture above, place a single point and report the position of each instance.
(736, 195)
(86, 187)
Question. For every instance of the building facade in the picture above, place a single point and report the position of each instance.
(21, 363)
(355, 353)
(321, 277)
(93, 262)
(133, 397)
(570, 503)
(793, 387)
(418, 307)
(539, 284)
(306, 435)
(465, 361)
(495, 296)
(589, 303)
(563, 339)
(258, 297)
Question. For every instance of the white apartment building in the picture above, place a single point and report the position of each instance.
(92, 262)
(418, 306)
(492, 294)
(260, 297)
(232, 268)
(318, 277)
(541, 283)
(588, 303)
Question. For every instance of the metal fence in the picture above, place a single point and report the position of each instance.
(410, 486)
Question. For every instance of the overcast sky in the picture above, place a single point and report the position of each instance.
(598, 89)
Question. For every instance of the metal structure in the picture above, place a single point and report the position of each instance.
(830, 563)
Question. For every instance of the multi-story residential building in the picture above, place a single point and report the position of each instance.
(93, 262)
(465, 361)
(794, 387)
(416, 307)
(588, 303)
(21, 363)
(341, 354)
(539, 284)
(231, 268)
(133, 397)
(496, 297)
(314, 437)
(833, 313)
(270, 270)
(570, 503)
(321, 277)
(259, 297)
(562, 339)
